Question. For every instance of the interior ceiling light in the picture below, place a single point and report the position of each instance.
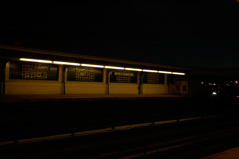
(153, 71)
(165, 72)
(35, 60)
(114, 67)
(133, 69)
(91, 65)
(178, 73)
(99, 66)
(66, 63)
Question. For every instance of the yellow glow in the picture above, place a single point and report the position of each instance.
(90, 65)
(35, 60)
(153, 71)
(66, 63)
(133, 69)
(166, 72)
(100, 66)
(114, 67)
(178, 73)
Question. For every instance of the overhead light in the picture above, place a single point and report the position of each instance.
(166, 72)
(66, 63)
(153, 71)
(35, 60)
(90, 65)
(178, 73)
(133, 69)
(99, 66)
(114, 67)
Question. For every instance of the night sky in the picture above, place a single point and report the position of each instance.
(195, 34)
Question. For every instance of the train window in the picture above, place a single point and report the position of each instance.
(153, 78)
(184, 88)
(123, 76)
(84, 74)
(34, 71)
(178, 88)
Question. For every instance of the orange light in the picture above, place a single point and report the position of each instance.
(35, 60)
(236, 82)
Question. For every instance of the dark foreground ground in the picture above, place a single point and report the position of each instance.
(23, 120)
(184, 139)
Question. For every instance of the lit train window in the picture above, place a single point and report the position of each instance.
(34, 71)
(123, 77)
(153, 78)
(84, 74)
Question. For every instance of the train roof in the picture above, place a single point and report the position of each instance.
(12, 52)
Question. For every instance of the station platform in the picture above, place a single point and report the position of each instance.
(70, 97)
(228, 154)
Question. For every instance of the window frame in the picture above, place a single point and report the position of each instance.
(72, 74)
(161, 78)
(17, 72)
(113, 77)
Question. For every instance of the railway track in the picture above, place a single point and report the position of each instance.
(177, 140)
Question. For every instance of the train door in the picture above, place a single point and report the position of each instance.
(181, 86)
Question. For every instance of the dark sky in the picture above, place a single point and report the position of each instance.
(195, 34)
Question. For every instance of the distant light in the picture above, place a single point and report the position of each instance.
(66, 63)
(90, 65)
(202, 83)
(166, 72)
(35, 60)
(153, 71)
(178, 73)
(236, 82)
(114, 67)
(237, 96)
(133, 69)
(214, 93)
